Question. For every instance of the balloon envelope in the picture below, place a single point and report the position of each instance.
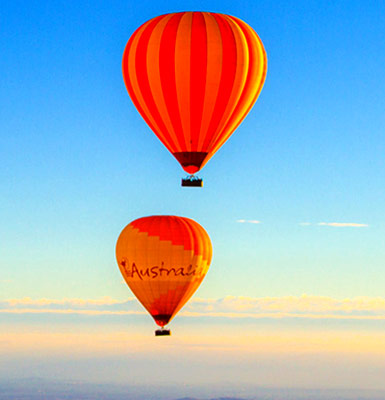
(193, 76)
(163, 260)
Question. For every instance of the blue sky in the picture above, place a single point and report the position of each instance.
(78, 163)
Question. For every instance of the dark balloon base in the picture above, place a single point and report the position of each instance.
(163, 332)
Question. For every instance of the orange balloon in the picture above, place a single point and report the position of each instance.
(194, 76)
(163, 260)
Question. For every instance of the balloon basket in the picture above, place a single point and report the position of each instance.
(192, 181)
(163, 332)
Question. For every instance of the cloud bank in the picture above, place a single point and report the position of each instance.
(248, 221)
(305, 306)
(337, 224)
(343, 224)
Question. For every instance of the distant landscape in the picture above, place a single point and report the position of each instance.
(41, 389)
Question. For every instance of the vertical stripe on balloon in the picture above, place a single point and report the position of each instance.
(167, 76)
(182, 74)
(198, 75)
(130, 79)
(229, 65)
(153, 72)
(242, 66)
(213, 74)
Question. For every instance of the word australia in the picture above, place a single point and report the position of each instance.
(132, 271)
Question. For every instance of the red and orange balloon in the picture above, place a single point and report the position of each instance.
(163, 260)
(193, 76)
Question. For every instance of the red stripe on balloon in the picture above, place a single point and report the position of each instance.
(143, 82)
(198, 75)
(167, 77)
(127, 79)
(229, 62)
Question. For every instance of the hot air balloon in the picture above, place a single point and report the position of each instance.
(163, 260)
(193, 77)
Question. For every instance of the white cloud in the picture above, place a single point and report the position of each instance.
(104, 305)
(248, 221)
(343, 224)
(305, 223)
(305, 306)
